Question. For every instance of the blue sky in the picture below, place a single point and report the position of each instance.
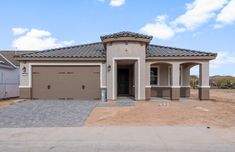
(207, 25)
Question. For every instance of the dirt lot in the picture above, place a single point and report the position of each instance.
(218, 112)
(5, 103)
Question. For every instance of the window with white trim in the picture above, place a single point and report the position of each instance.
(154, 76)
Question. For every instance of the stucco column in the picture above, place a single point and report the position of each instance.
(25, 86)
(103, 83)
(204, 88)
(114, 80)
(111, 79)
(147, 81)
(175, 88)
(185, 81)
(136, 80)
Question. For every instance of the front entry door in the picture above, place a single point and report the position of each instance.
(123, 82)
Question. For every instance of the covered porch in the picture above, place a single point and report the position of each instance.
(171, 80)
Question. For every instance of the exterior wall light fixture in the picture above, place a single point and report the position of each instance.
(24, 69)
(109, 68)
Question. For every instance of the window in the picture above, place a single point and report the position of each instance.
(154, 76)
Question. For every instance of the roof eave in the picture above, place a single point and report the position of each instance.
(12, 64)
(59, 59)
(181, 58)
(7, 67)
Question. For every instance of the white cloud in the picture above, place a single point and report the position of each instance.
(159, 29)
(161, 18)
(71, 42)
(19, 31)
(116, 3)
(198, 13)
(227, 15)
(36, 39)
(223, 58)
(38, 33)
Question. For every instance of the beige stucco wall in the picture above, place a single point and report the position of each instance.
(204, 77)
(185, 75)
(104, 71)
(126, 51)
(163, 75)
(24, 77)
(147, 74)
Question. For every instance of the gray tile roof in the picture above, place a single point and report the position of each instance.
(125, 34)
(97, 50)
(165, 51)
(93, 50)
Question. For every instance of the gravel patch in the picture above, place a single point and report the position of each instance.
(46, 113)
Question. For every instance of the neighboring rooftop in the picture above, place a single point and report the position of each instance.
(9, 55)
(4, 62)
(126, 34)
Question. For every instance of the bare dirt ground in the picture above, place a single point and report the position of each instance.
(217, 112)
(5, 103)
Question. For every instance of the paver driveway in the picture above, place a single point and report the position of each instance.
(46, 113)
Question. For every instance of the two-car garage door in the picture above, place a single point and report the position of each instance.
(65, 82)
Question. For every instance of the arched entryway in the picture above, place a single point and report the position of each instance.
(202, 83)
(160, 79)
(171, 80)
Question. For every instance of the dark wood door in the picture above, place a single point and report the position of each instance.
(123, 82)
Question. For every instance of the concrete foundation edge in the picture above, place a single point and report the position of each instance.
(147, 93)
(185, 92)
(25, 93)
(204, 93)
(175, 93)
(160, 92)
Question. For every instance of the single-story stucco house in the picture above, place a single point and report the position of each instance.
(122, 64)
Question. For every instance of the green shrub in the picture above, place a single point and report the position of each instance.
(225, 87)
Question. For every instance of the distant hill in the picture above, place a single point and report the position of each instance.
(222, 77)
(217, 81)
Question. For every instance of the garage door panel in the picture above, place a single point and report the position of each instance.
(77, 82)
